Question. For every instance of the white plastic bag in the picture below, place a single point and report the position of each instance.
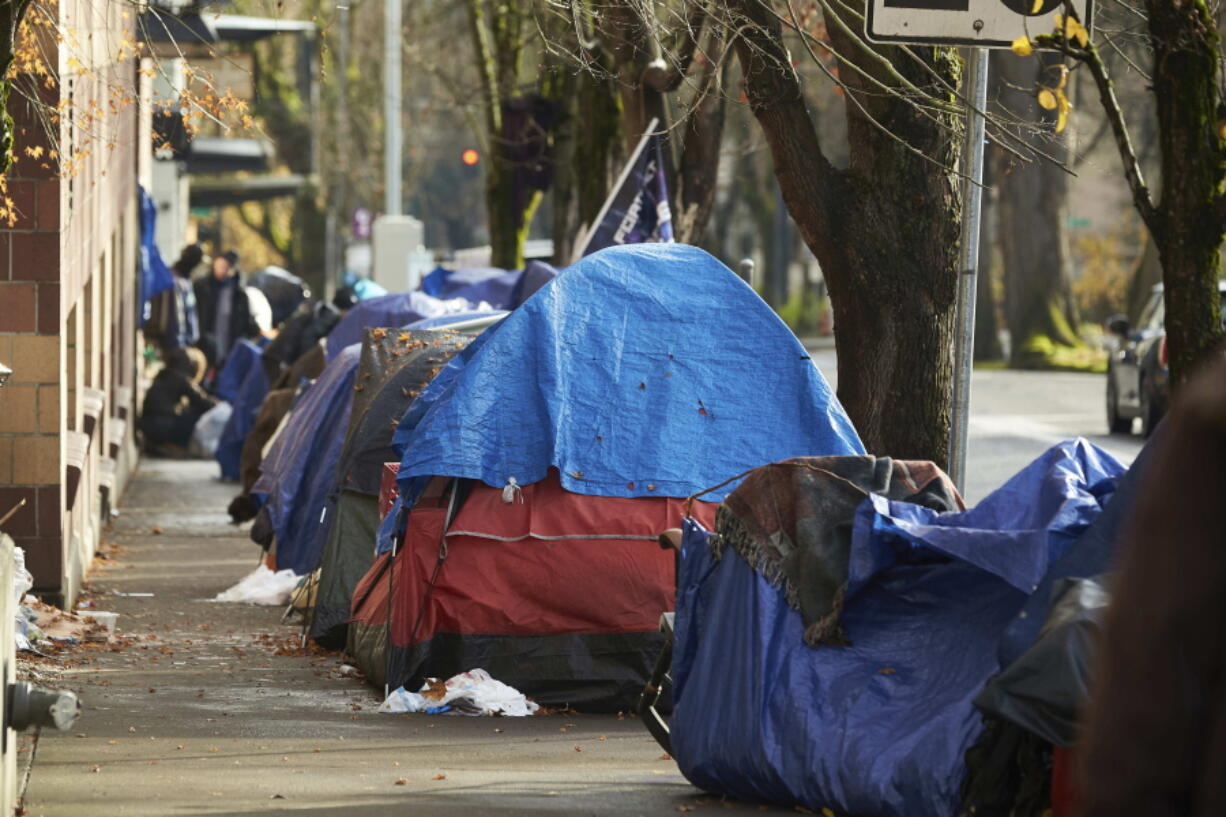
(262, 586)
(207, 433)
(473, 692)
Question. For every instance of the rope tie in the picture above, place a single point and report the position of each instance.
(512, 492)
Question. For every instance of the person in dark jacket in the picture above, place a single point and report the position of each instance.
(173, 322)
(173, 404)
(225, 313)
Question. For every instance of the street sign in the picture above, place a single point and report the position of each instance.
(973, 23)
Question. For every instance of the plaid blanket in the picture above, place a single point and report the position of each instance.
(792, 521)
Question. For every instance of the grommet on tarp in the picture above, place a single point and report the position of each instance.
(511, 491)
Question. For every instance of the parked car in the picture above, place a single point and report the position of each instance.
(1137, 372)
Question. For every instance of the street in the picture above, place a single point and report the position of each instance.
(215, 709)
(1016, 415)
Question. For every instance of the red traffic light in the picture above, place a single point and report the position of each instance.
(470, 157)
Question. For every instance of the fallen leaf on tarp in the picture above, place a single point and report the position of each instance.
(402, 781)
(666, 756)
(156, 530)
(439, 777)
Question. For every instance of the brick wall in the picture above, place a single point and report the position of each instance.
(67, 308)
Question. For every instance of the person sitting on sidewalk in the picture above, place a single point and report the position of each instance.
(173, 404)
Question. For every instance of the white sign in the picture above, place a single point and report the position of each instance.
(976, 23)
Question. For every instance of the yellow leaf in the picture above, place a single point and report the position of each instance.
(1022, 47)
(1063, 77)
(1047, 100)
(1062, 119)
(1221, 130)
(1083, 37)
(1037, 7)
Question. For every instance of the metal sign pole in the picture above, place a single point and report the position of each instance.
(972, 202)
(393, 144)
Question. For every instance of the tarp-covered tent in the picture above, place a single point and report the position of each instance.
(395, 366)
(634, 378)
(296, 458)
(284, 291)
(499, 288)
(243, 356)
(880, 726)
(396, 310)
(245, 407)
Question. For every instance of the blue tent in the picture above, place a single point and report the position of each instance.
(442, 282)
(306, 453)
(400, 309)
(640, 371)
(536, 275)
(880, 727)
(246, 407)
(244, 356)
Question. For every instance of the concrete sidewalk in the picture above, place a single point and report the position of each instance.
(212, 709)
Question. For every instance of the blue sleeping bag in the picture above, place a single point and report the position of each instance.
(879, 728)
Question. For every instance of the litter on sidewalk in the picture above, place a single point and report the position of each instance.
(262, 586)
(469, 693)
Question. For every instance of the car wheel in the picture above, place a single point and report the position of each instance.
(1151, 413)
(1115, 423)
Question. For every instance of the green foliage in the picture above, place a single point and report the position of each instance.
(1042, 353)
(1101, 290)
(803, 312)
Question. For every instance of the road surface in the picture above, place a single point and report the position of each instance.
(1016, 416)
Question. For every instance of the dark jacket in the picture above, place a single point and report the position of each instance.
(208, 292)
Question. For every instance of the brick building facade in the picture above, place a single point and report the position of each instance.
(68, 301)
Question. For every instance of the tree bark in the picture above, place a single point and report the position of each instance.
(699, 166)
(1033, 201)
(885, 231)
(1189, 220)
(987, 330)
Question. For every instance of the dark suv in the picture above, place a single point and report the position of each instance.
(1137, 372)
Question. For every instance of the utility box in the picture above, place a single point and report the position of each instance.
(397, 240)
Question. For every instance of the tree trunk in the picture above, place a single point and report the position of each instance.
(1189, 220)
(1145, 276)
(509, 212)
(1033, 201)
(885, 231)
(987, 330)
(699, 167)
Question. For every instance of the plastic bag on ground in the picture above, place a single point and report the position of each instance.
(469, 693)
(207, 433)
(262, 586)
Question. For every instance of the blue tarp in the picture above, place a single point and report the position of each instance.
(442, 282)
(645, 370)
(879, 728)
(244, 356)
(246, 407)
(390, 311)
(305, 453)
(155, 277)
(536, 275)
